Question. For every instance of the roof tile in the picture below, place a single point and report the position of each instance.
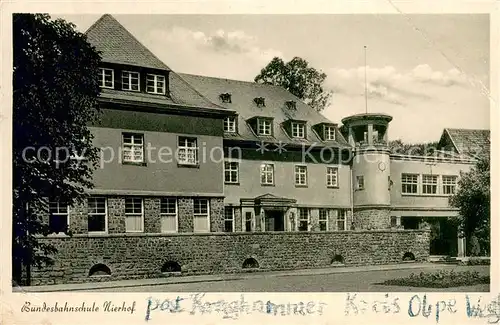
(469, 141)
(242, 101)
(118, 45)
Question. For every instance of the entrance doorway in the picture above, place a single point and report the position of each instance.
(274, 220)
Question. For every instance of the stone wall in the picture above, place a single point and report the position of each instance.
(130, 256)
(370, 219)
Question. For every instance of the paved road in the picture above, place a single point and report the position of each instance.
(339, 282)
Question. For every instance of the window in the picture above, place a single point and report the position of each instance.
(230, 124)
(267, 174)
(134, 217)
(409, 183)
(263, 127)
(228, 219)
(168, 213)
(97, 217)
(301, 175)
(332, 177)
(133, 148)
(58, 217)
(201, 219)
(329, 133)
(107, 78)
(130, 80)
(248, 221)
(260, 101)
(360, 182)
(298, 130)
(429, 184)
(290, 104)
(155, 84)
(394, 221)
(341, 220)
(323, 219)
(187, 151)
(303, 219)
(225, 97)
(449, 184)
(231, 172)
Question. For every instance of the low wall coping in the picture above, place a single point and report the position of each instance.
(292, 233)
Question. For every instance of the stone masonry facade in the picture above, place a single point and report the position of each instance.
(370, 219)
(132, 256)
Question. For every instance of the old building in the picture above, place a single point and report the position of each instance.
(201, 174)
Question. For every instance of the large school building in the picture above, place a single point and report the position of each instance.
(201, 175)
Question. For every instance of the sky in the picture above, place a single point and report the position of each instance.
(429, 72)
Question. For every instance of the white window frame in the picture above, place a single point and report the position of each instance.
(446, 184)
(129, 76)
(360, 185)
(230, 124)
(327, 215)
(232, 217)
(155, 79)
(433, 184)
(198, 215)
(330, 133)
(60, 213)
(331, 176)
(412, 183)
(102, 77)
(264, 126)
(298, 130)
(183, 145)
(301, 219)
(168, 214)
(263, 171)
(230, 171)
(132, 146)
(300, 174)
(341, 217)
(105, 231)
(135, 214)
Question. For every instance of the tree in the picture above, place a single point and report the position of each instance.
(416, 149)
(55, 97)
(472, 199)
(299, 78)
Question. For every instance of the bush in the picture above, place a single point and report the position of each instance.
(441, 279)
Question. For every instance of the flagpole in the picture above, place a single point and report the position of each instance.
(366, 90)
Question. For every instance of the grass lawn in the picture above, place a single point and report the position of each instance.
(440, 279)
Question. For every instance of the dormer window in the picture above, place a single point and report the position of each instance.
(225, 98)
(107, 78)
(230, 124)
(298, 130)
(130, 80)
(290, 104)
(155, 84)
(329, 133)
(264, 126)
(260, 101)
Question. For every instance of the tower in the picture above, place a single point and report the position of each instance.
(367, 133)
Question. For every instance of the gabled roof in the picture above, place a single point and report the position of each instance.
(468, 142)
(118, 45)
(243, 94)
